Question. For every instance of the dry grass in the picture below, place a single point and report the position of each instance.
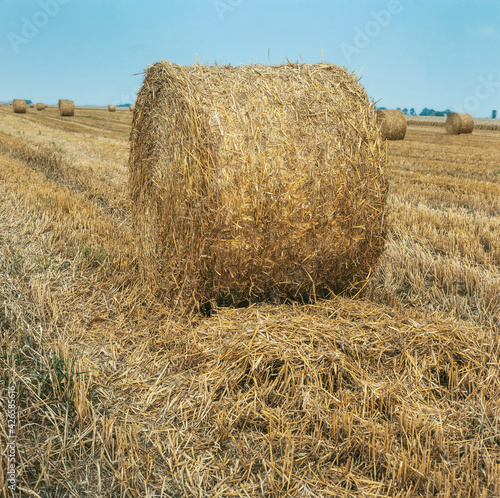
(442, 252)
(394, 394)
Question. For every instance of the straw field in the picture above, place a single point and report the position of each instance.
(393, 393)
(479, 123)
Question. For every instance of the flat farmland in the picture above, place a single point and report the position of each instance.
(393, 392)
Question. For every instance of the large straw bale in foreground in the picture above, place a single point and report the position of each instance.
(66, 107)
(457, 123)
(19, 106)
(256, 182)
(392, 124)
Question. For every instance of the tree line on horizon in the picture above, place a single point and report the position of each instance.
(430, 112)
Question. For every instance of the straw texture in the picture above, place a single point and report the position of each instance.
(66, 107)
(457, 124)
(19, 106)
(256, 182)
(392, 124)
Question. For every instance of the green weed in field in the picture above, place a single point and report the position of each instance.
(96, 256)
(56, 147)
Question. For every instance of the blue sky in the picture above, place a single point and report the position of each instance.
(409, 53)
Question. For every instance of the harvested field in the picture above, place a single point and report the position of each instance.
(391, 394)
(479, 123)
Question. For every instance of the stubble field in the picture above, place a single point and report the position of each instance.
(392, 393)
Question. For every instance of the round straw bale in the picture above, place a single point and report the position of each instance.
(41, 106)
(458, 123)
(131, 108)
(257, 182)
(111, 108)
(392, 124)
(32, 106)
(19, 105)
(66, 107)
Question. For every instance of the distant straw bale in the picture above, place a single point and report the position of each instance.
(19, 106)
(41, 106)
(392, 124)
(456, 123)
(32, 106)
(111, 108)
(256, 182)
(66, 107)
(131, 108)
